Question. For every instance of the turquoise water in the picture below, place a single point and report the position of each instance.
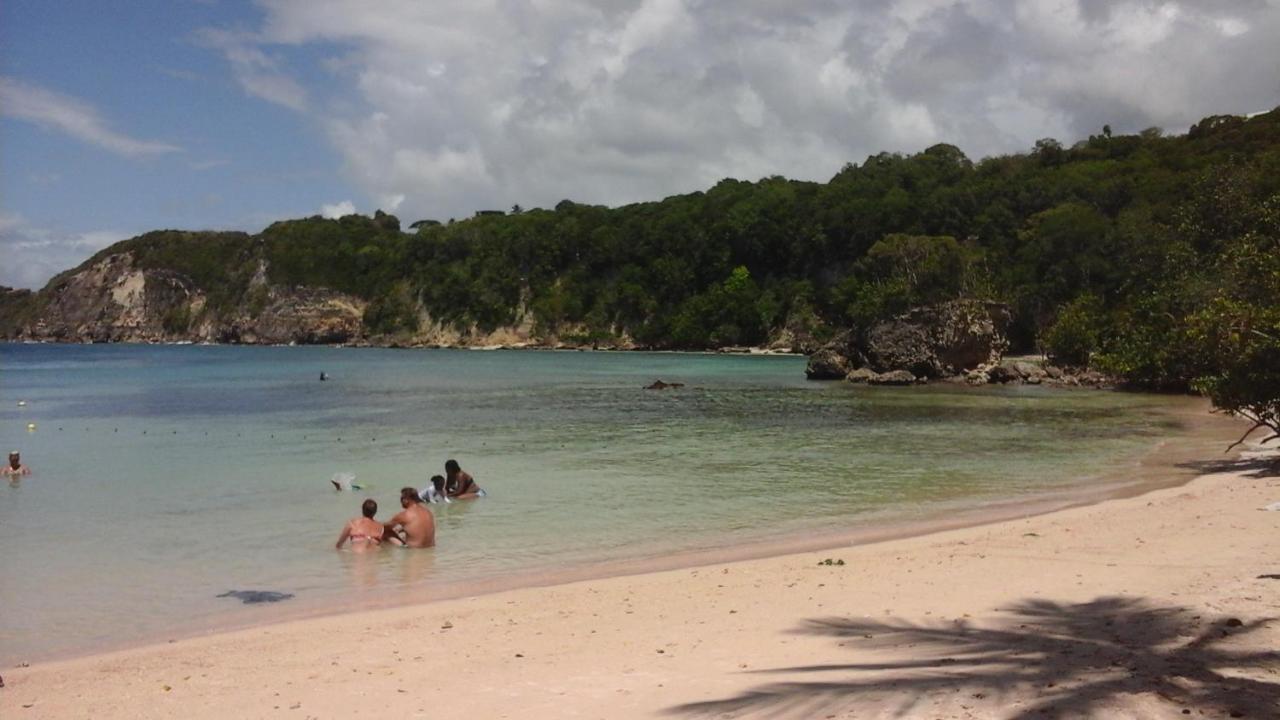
(165, 476)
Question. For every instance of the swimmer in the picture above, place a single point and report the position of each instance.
(434, 492)
(345, 481)
(417, 522)
(364, 532)
(15, 469)
(459, 484)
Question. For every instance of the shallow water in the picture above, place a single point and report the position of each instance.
(166, 476)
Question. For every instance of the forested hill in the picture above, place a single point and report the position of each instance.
(1105, 251)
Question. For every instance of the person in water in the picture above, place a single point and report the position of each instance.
(15, 469)
(434, 493)
(365, 532)
(415, 521)
(459, 484)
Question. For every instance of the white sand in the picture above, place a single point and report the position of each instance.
(1114, 610)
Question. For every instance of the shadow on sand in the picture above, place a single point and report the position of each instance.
(1257, 467)
(1061, 660)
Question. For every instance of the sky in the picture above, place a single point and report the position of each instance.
(122, 116)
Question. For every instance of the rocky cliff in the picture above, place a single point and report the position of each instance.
(114, 297)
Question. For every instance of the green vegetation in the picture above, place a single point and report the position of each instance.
(1149, 256)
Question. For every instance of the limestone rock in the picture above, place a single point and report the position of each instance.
(893, 377)
(827, 364)
(928, 342)
(1005, 372)
(860, 375)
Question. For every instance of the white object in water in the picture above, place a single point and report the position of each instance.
(22, 403)
(31, 427)
(1274, 507)
(344, 481)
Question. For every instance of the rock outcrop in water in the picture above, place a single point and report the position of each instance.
(960, 341)
(930, 342)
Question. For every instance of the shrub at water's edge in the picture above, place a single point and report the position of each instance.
(1142, 256)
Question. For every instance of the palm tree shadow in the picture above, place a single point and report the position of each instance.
(1070, 660)
(1260, 468)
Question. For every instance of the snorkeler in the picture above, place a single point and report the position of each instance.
(459, 484)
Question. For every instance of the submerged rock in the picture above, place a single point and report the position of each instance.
(660, 385)
(251, 597)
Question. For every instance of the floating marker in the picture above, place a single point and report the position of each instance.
(22, 403)
(31, 427)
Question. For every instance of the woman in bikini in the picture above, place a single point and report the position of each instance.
(458, 484)
(364, 532)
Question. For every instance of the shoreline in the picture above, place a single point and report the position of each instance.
(720, 638)
(1164, 464)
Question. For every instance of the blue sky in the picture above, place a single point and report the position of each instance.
(204, 155)
(118, 117)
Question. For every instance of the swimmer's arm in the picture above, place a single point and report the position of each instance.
(346, 534)
(397, 519)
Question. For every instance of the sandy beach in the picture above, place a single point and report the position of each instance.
(1158, 605)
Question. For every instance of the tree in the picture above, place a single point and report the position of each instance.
(1239, 330)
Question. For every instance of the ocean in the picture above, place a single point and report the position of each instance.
(165, 476)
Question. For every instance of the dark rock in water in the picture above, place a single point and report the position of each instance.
(1004, 372)
(827, 364)
(1030, 370)
(893, 377)
(251, 597)
(660, 385)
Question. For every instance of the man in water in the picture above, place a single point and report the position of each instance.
(459, 484)
(417, 522)
(15, 469)
(364, 532)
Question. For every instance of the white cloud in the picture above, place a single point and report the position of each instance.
(337, 210)
(72, 116)
(258, 73)
(35, 254)
(457, 105)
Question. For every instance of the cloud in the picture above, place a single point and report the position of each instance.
(337, 210)
(72, 116)
(258, 73)
(34, 254)
(458, 105)
(202, 165)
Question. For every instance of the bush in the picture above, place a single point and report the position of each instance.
(1076, 334)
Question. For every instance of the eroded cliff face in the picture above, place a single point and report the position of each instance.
(111, 300)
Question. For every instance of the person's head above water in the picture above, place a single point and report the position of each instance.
(409, 496)
(14, 459)
(437, 481)
(451, 467)
(369, 508)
